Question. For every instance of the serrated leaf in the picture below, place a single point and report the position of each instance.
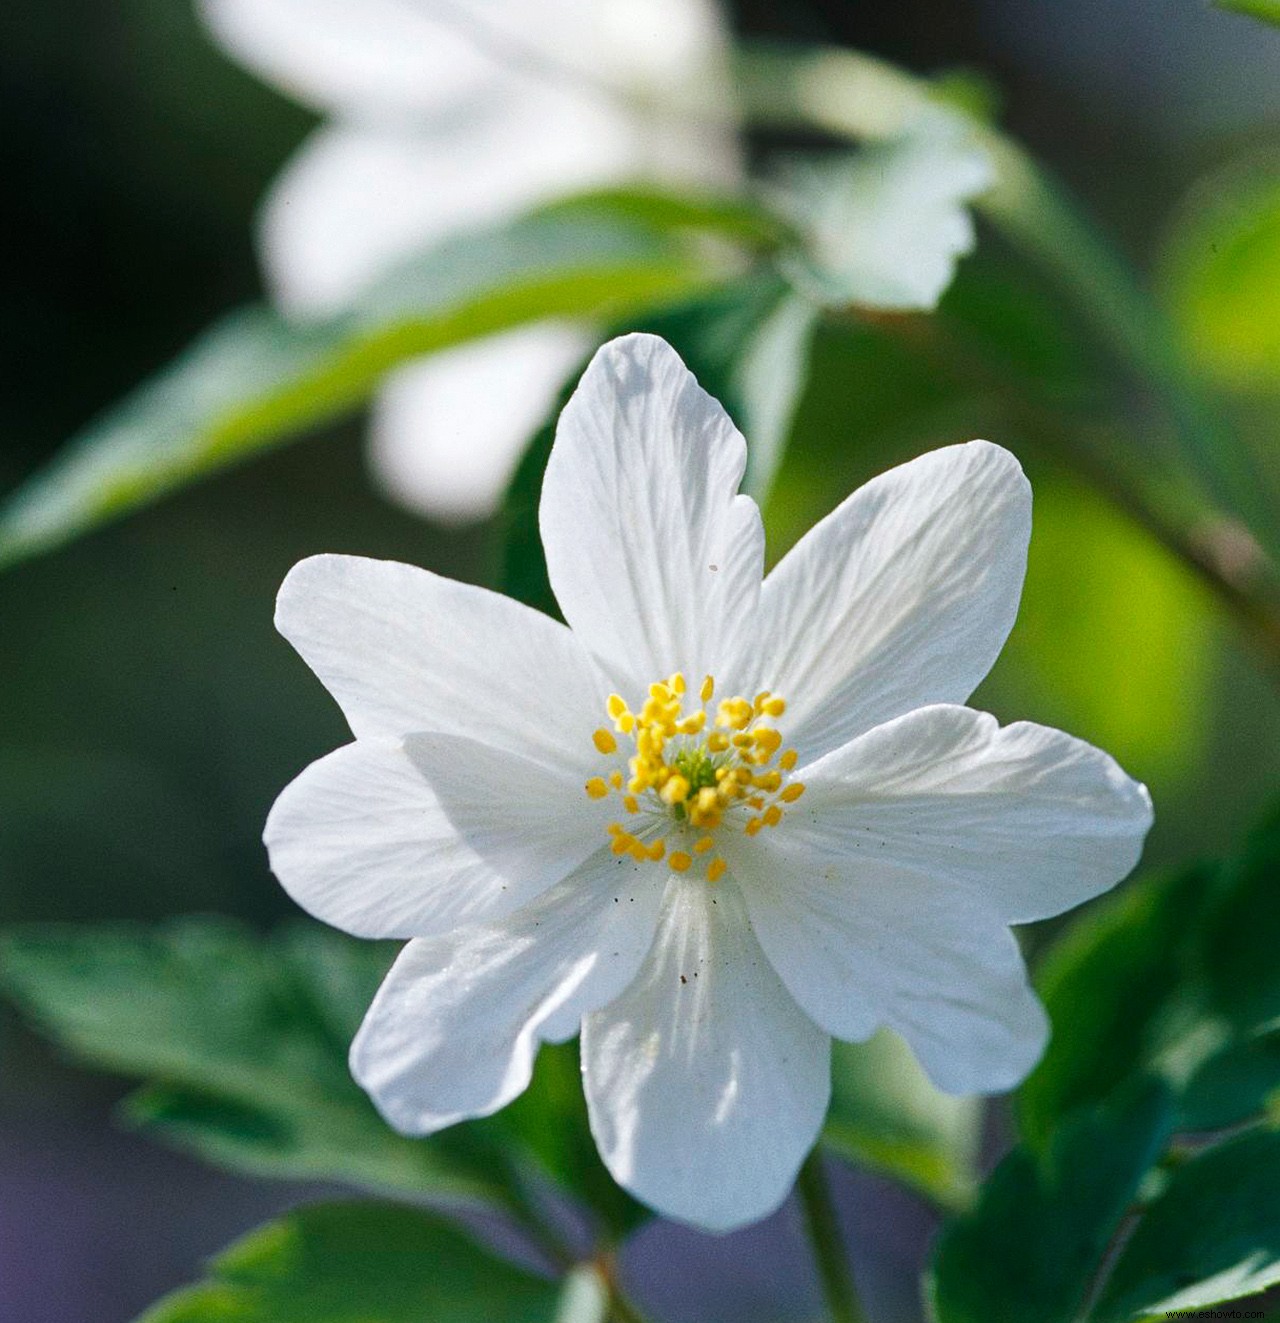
(1212, 1235)
(1033, 1245)
(885, 1115)
(244, 1044)
(359, 1263)
(255, 380)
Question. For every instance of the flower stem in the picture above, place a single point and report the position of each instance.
(829, 1252)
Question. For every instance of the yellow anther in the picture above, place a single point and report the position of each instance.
(733, 713)
(639, 851)
(621, 843)
(774, 707)
(768, 739)
(753, 826)
(707, 799)
(716, 870)
(631, 803)
(788, 760)
(772, 816)
(596, 788)
(614, 828)
(626, 723)
(743, 741)
(679, 861)
(708, 688)
(767, 781)
(659, 692)
(693, 724)
(705, 844)
(792, 792)
(717, 742)
(616, 706)
(657, 850)
(676, 683)
(756, 801)
(760, 700)
(742, 775)
(615, 780)
(604, 741)
(676, 790)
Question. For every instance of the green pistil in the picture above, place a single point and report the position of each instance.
(697, 767)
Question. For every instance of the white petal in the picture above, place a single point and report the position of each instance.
(902, 596)
(705, 1082)
(403, 650)
(860, 944)
(654, 560)
(362, 841)
(373, 59)
(455, 1027)
(355, 201)
(448, 430)
(1029, 820)
(402, 59)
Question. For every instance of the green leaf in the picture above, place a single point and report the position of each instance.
(244, 1044)
(1266, 10)
(1212, 1235)
(885, 1115)
(1241, 935)
(1032, 1246)
(1222, 274)
(1108, 986)
(359, 1263)
(1238, 1082)
(255, 380)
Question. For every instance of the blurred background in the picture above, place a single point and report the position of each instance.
(149, 714)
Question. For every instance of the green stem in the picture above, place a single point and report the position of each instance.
(829, 1252)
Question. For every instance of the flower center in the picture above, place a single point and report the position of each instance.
(684, 781)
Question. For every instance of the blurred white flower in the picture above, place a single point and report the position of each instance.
(442, 114)
(710, 875)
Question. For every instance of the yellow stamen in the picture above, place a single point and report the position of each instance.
(676, 790)
(772, 816)
(596, 788)
(708, 688)
(631, 803)
(604, 741)
(615, 780)
(716, 870)
(657, 850)
(679, 861)
(788, 760)
(792, 792)
(705, 844)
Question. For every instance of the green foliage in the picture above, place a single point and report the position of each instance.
(1174, 975)
(1222, 273)
(1211, 1235)
(255, 379)
(244, 1044)
(1032, 1246)
(885, 1115)
(359, 1263)
(1266, 10)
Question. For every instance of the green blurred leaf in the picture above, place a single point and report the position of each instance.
(1222, 274)
(885, 1115)
(1032, 1246)
(244, 1042)
(1107, 986)
(1213, 1234)
(1176, 976)
(254, 380)
(359, 1263)
(1266, 10)
(1241, 938)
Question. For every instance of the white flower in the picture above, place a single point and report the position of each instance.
(444, 114)
(711, 875)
